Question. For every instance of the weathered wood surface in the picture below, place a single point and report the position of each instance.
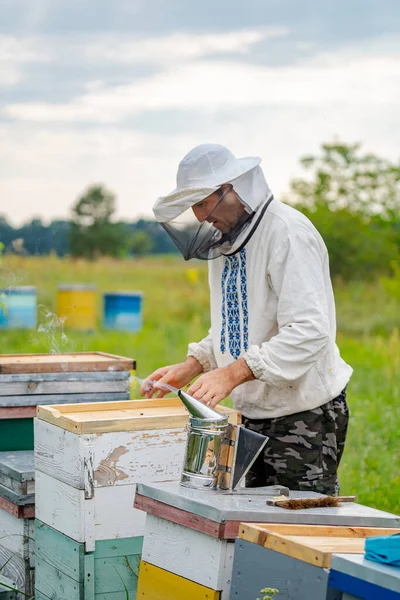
(313, 547)
(37, 388)
(18, 536)
(110, 459)
(57, 377)
(109, 514)
(255, 568)
(130, 415)
(159, 584)
(15, 497)
(62, 363)
(228, 530)
(21, 512)
(17, 412)
(189, 553)
(113, 564)
(40, 399)
(17, 472)
(181, 517)
(16, 569)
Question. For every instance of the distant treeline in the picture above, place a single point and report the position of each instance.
(36, 238)
(352, 198)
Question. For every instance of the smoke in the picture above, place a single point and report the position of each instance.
(52, 326)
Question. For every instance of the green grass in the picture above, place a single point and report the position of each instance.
(176, 312)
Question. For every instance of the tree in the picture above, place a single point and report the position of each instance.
(92, 231)
(353, 199)
(141, 243)
(344, 178)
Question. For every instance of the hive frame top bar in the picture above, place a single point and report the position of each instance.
(65, 362)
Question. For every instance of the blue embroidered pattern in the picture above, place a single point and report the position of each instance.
(230, 307)
(223, 310)
(232, 302)
(243, 291)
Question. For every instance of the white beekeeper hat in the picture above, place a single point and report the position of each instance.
(200, 173)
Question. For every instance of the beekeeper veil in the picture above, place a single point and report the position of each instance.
(208, 175)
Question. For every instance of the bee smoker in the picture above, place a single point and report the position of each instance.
(218, 455)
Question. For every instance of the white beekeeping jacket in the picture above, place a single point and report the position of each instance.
(272, 304)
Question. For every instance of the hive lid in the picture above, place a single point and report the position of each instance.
(130, 415)
(311, 544)
(18, 465)
(62, 363)
(76, 287)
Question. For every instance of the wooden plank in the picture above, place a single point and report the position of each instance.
(40, 399)
(115, 573)
(121, 416)
(116, 458)
(191, 554)
(17, 535)
(108, 515)
(19, 465)
(17, 412)
(21, 512)
(226, 531)
(59, 363)
(313, 549)
(159, 584)
(21, 488)
(56, 377)
(255, 568)
(118, 547)
(59, 551)
(255, 532)
(15, 568)
(178, 516)
(53, 583)
(15, 498)
(62, 387)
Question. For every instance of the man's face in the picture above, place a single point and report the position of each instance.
(224, 216)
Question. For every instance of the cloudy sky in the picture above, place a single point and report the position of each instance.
(117, 92)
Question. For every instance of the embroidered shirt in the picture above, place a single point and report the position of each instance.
(272, 304)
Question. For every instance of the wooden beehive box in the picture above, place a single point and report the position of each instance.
(28, 380)
(295, 559)
(17, 519)
(89, 458)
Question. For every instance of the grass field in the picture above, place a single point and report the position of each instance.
(176, 312)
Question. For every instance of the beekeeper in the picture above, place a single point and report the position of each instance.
(271, 345)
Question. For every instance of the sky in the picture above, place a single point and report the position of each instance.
(118, 92)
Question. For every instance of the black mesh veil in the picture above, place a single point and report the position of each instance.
(203, 240)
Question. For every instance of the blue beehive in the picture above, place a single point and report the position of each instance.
(123, 311)
(18, 308)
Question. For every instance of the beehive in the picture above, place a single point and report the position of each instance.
(17, 522)
(190, 534)
(295, 559)
(89, 459)
(27, 380)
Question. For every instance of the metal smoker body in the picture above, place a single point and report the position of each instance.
(218, 455)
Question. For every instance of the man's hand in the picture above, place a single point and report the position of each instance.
(216, 385)
(177, 376)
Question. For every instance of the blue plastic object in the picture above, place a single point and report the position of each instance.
(18, 308)
(123, 311)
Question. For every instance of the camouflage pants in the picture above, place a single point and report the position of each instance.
(304, 450)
